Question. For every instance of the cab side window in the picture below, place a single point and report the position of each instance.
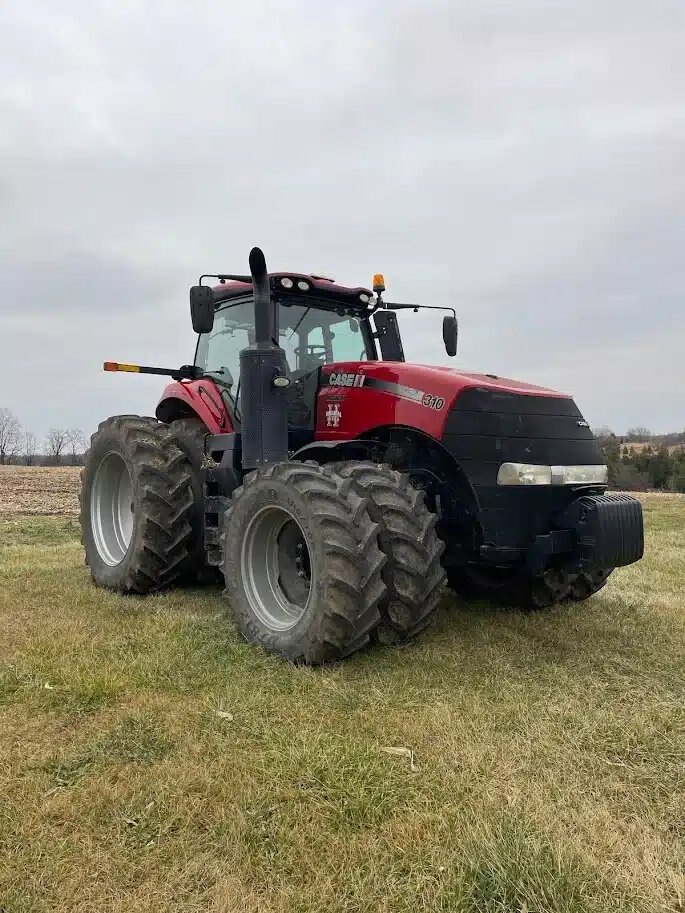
(218, 352)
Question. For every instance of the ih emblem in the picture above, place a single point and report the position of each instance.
(333, 415)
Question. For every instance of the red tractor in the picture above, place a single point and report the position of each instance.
(336, 486)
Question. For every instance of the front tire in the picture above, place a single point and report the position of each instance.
(136, 504)
(589, 582)
(508, 589)
(301, 563)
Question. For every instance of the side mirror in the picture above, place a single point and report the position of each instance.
(202, 308)
(450, 332)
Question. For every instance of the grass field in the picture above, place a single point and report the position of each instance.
(152, 761)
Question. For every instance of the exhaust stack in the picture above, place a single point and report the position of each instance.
(263, 379)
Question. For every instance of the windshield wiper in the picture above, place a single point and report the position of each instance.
(296, 328)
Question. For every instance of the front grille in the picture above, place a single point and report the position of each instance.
(486, 428)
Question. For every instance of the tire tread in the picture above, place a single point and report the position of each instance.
(413, 575)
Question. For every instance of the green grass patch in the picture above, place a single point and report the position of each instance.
(512, 867)
(132, 740)
(42, 531)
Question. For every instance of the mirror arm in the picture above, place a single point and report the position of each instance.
(393, 306)
(225, 277)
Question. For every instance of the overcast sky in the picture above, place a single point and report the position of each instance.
(524, 161)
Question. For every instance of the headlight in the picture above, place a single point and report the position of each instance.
(580, 475)
(286, 282)
(524, 474)
(303, 286)
(529, 474)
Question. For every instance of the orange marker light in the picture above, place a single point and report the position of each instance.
(379, 282)
(115, 366)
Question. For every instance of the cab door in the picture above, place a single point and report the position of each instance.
(218, 352)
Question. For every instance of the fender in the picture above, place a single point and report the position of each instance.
(330, 451)
(201, 398)
(408, 450)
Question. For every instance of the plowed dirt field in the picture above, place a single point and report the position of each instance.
(51, 490)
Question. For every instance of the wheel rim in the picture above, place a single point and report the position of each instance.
(111, 509)
(276, 568)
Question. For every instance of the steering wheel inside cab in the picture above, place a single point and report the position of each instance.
(310, 356)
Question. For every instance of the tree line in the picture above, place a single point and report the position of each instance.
(641, 461)
(18, 445)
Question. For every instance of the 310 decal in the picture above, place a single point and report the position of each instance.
(433, 402)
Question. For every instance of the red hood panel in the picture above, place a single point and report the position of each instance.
(437, 379)
(460, 380)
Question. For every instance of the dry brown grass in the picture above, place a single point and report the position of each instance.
(46, 490)
(639, 446)
(550, 752)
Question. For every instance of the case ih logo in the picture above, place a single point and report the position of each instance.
(333, 415)
(341, 379)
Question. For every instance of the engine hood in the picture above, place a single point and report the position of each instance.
(358, 397)
(448, 382)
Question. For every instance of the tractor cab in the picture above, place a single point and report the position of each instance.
(315, 322)
(310, 337)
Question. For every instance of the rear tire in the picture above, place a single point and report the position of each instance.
(413, 574)
(301, 563)
(136, 503)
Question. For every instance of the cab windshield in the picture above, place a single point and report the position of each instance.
(309, 336)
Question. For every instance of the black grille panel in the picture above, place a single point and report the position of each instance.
(519, 425)
(486, 428)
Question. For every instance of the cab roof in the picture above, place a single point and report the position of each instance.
(319, 288)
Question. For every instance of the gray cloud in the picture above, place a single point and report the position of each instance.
(522, 161)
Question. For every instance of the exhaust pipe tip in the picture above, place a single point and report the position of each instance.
(257, 263)
(266, 315)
